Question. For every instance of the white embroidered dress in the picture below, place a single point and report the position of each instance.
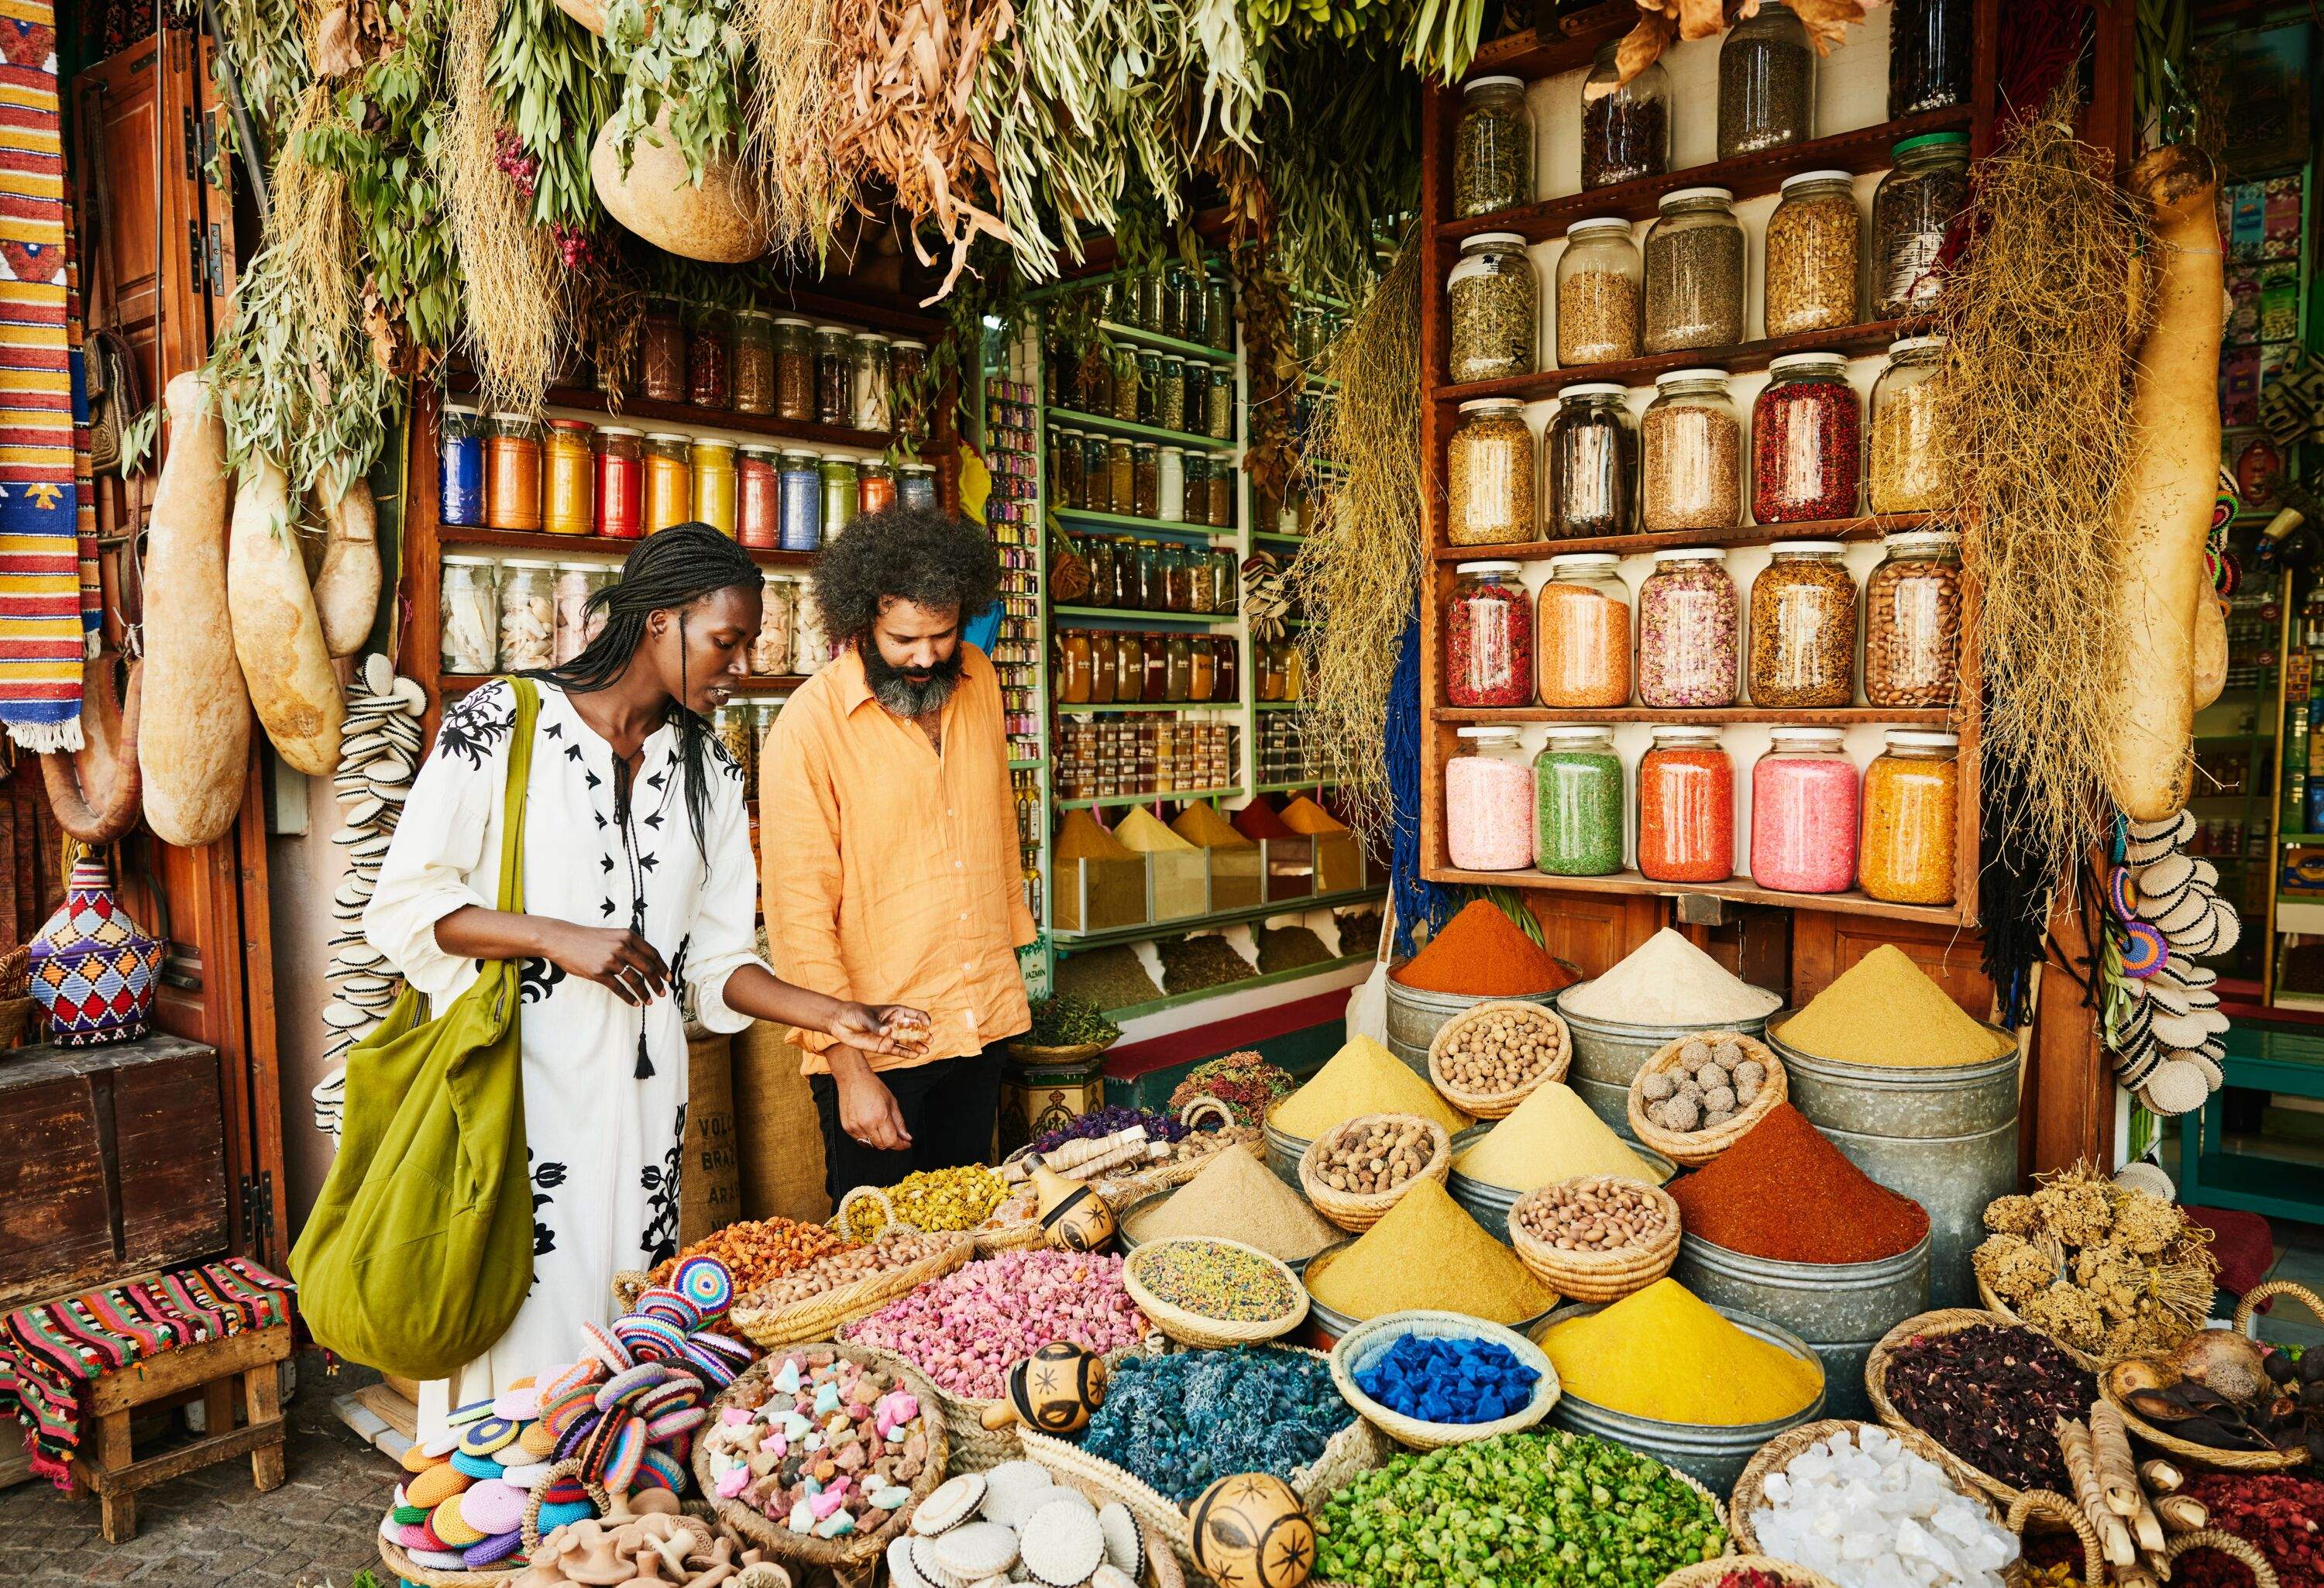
(605, 1083)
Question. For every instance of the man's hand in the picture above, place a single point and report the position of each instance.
(891, 1028)
(867, 1109)
(618, 959)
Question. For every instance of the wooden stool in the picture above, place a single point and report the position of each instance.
(214, 1367)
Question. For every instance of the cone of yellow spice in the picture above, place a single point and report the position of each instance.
(1664, 1354)
(1883, 1009)
(1552, 1135)
(1363, 1077)
(1427, 1252)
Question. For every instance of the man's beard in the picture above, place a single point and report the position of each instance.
(908, 697)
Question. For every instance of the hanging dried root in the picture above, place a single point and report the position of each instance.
(94, 789)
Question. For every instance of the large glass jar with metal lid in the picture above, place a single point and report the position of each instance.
(715, 484)
(1197, 393)
(1583, 632)
(1065, 487)
(468, 640)
(1129, 662)
(915, 485)
(1218, 404)
(800, 521)
(1101, 667)
(1803, 815)
(1912, 621)
(460, 458)
(842, 492)
(1912, 793)
(810, 648)
(1222, 513)
(1178, 653)
(1592, 446)
(1097, 556)
(1489, 648)
(907, 360)
(1126, 382)
(528, 614)
(1097, 481)
(1694, 273)
(1909, 471)
(1122, 476)
(568, 479)
(1178, 577)
(1491, 495)
(868, 381)
(1170, 487)
(875, 485)
(1226, 573)
(1270, 665)
(1686, 807)
(513, 474)
(1185, 288)
(731, 724)
(1489, 805)
(1156, 670)
(661, 354)
(1802, 627)
(835, 375)
(1601, 278)
(1766, 83)
(1145, 479)
(578, 620)
(1911, 210)
(1203, 683)
(621, 459)
(710, 359)
(1807, 441)
(1812, 240)
(754, 361)
(1149, 389)
(1578, 804)
(1626, 127)
(1928, 48)
(794, 370)
(1218, 311)
(1492, 147)
(1496, 309)
(1690, 631)
(1153, 581)
(1690, 447)
(1170, 395)
(1195, 470)
(1072, 675)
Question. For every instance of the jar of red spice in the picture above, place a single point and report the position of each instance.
(1690, 631)
(1488, 656)
(1686, 807)
(621, 481)
(1584, 631)
(1912, 794)
(757, 498)
(794, 370)
(1804, 796)
(710, 360)
(1807, 441)
(662, 358)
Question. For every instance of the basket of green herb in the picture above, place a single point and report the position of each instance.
(1066, 1030)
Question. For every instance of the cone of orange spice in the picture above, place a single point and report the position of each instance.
(1480, 952)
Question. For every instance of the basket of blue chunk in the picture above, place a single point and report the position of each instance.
(1431, 1379)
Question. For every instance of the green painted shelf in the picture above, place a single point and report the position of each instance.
(1108, 425)
(1108, 801)
(1162, 344)
(1069, 942)
(1273, 979)
(1281, 704)
(1144, 526)
(1274, 538)
(1300, 787)
(1128, 617)
(1065, 710)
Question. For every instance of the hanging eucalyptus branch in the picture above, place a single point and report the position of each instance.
(553, 84)
(682, 58)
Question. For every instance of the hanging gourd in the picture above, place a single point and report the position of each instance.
(718, 219)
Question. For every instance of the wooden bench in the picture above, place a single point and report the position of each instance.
(240, 1366)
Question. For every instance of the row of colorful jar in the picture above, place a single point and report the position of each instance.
(1140, 386)
(1105, 667)
(570, 477)
(754, 361)
(1693, 645)
(1682, 465)
(1176, 301)
(516, 613)
(1097, 760)
(1815, 825)
(1157, 576)
(1685, 289)
(1139, 479)
(1765, 99)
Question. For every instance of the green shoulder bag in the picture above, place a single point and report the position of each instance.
(420, 1250)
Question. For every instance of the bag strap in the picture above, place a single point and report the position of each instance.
(520, 774)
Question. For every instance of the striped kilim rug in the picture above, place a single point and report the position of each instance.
(41, 629)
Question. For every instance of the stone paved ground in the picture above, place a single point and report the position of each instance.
(211, 1530)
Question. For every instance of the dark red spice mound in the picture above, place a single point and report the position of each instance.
(1786, 1193)
(1993, 1394)
(1751, 1577)
(2279, 1514)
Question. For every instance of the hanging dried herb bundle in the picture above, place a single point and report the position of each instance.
(2043, 315)
(1359, 571)
(553, 84)
(1339, 154)
(802, 185)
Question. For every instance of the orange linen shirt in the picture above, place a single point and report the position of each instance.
(891, 873)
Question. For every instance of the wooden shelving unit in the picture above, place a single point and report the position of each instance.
(1871, 528)
(1850, 340)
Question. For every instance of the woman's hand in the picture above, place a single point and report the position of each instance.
(614, 958)
(892, 1027)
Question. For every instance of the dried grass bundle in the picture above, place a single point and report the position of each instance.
(1359, 572)
(518, 317)
(312, 231)
(801, 183)
(2044, 314)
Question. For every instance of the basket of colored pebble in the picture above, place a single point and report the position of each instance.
(1595, 1237)
(880, 1448)
(1170, 1426)
(1205, 1291)
(1352, 1174)
(1433, 1379)
(1746, 1571)
(1699, 1095)
(1492, 1057)
(811, 1303)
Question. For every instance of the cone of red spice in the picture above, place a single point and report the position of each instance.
(1786, 1193)
(1482, 953)
(1259, 820)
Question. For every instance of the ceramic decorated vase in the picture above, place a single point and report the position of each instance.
(1056, 1387)
(94, 971)
(1074, 1216)
(1250, 1531)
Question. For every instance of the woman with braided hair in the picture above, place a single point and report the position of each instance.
(638, 882)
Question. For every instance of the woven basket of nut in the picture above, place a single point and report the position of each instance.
(1488, 1059)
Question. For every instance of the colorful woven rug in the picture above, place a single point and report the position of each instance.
(41, 630)
(47, 1352)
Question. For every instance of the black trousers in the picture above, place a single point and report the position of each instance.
(949, 1106)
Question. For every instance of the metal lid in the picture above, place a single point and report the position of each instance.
(1920, 540)
(1598, 223)
(1486, 239)
(1914, 738)
(1691, 554)
(870, 337)
(1807, 547)
(1671, 377)
(1805, 176)
(1688, 195)
(1809, 738)
(713, 441)
(1474, 84)
(1485, 568)
(1830, 361)
(450, 561)
(1584, 559)
(1503, 732)
(757, 449)
(616, 430)
(1580, 730)
(1478, 404)
(1687, 731)
(1914, 344)
(528, 562)
(1595, 389)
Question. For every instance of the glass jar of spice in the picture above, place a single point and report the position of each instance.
(1766, 83)
(709, 360)
(1156, 668)
(1686, 807)
(1178, 651)
(1911, 805)
(1496, 304)
(568, 479)
(1218, 312)
(1218, 404)
(578, 620)
(662, 360)
(835, 377)
(1170, 487)
(1802, 627)
(868, 381)
(1690, 623)
(1126, 382)
(875, 487)
(1097, 555)
(513, 474)
(1268, 661)
(1145, 479)
(1804, 798)
(915, 485)
(1909, 471)
(1489, 648)
(1204, 682)
(1170, 395)
(1221, 484)
(1492, 147)
(810, 649)
(1226, 573)
(715, 484)
(1149, 389)
(468, 642)
(794, 370)
(1490, 488)
(1911, 210)
(669, 481)
(621, 481)
(528, 614)
(757, 498)
(842, 493)
(1929, 44)
(1122, 476)
(1691, 446)
(1071, 681)
(1912, 621)
(754, 361)
(1694, 271)
(1626, 127)
(1812, 239)
(800, 517)
(1488, 803)
(1807, 441)
(1592, 449)
(1599, 278)
(1584, 631)
(1578, 804)
(460, 466)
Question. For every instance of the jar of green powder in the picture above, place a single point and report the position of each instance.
(1577, 805)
